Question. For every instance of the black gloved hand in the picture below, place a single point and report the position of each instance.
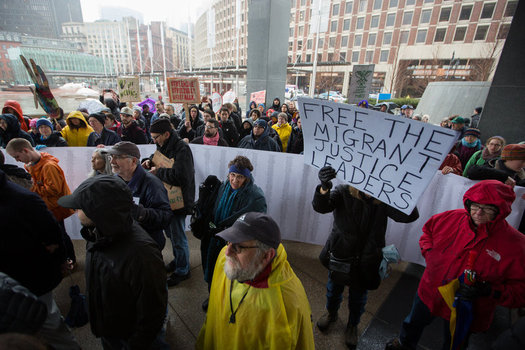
(138, 212)
(326, 174)
(469, 293)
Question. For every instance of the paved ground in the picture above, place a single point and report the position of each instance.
(385, 309)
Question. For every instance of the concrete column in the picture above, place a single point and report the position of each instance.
(268, 23)
(346, 82)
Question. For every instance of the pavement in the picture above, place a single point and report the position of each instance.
(384, 312)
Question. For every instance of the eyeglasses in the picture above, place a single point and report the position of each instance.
(237, 248)
(485, 208)
(156, 137)
(118, 156)
(209, 127)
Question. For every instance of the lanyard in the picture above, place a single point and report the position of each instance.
(233, 313)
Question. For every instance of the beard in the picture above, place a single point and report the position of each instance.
(208, 134)
(234, 271)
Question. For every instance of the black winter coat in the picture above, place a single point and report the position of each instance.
(107, 138)
(132, 133)
(357, 220)
(229, 130)
(23, 255)
(54, 140)
(495, 169)
(153, 212)
(183, 171)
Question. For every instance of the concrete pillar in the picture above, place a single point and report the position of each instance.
(268, 23)
(346, 82)
(503, 111)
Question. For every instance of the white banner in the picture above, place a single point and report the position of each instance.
(390, 158)
(289, 186)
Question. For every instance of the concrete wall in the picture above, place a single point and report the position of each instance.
(268, 22)
(443, 99)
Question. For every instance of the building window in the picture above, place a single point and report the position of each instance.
(357, 40)
(384, 56)
(309, 44)
(355, 56)
(403, 37)
(346, 24)
(407, 17)
(299, 45)
(348, 7)
(372, 38)
(387, 38)
(308, 58)
(335, 9)
(393, 3)
(503, 31)
(360, 23)
(331, 42)
(488, 10)
(303, 2)
(375, 22)
(511, 8)
(378, 4)
(321, 43)
(445, 14)
(291, 31)
(410, 2)
(330, 57)
(464, 15)
(460, 33)
(342, 57)
(440, 35)
(301, 16)
(425, 16)
(344, 41)
(369, 55)
(481, 32)
(362, 5)
(421, 36)
(333, 26)
(390, 19)
(301, 30)
(290, 45)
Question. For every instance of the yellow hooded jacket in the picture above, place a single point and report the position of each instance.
(76, 136)
(275, 317)
(284, 132)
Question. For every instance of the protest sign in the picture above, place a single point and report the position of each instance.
(229, 97)
(216, 101)
(361, 82)
(128, 89)
(388, 157)
(184, 90)
(258, 96)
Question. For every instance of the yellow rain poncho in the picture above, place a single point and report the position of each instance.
(276, 317)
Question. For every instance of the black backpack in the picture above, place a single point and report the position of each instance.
(202, 212)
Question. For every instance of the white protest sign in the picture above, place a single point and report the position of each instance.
(390, 158)
(229, 97)
(216, 101)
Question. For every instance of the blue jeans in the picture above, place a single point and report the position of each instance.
(179, 243)
(416, 321)
(356, 300)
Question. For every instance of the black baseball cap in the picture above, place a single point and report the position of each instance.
(124, 148)
(253, 225)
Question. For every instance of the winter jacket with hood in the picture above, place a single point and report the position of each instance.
(275, 303)
(183, 171)
(54, 140)
(76, 136)
(229, 130)
(27, 228)
(107, 138)
(245, 132)
(296, 141)
(446, 243)
(263, 143)
(495, 169)
(13, 131)
(50, 183)
(284, 132)
(15, 105)
(132, 133)
(276, 107)
(253, 105)
(358, 220)
(125, 276)
(195, 123)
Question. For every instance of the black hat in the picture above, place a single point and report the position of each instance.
(124, 148)
(160, 126)
(98, 116)
(253, 225)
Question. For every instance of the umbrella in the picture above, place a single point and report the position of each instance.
(92, 105)
(150, 102)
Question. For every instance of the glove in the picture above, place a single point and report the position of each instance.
(138, 212)
(39, 147)
(326, 174)
(472, 292)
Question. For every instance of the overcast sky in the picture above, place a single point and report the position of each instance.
(172, 11)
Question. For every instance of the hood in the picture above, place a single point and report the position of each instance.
(278, 103)
(15, 105)
(78, 115)
(253, 104)
(248, 121)
(13, 126)
(492, 192)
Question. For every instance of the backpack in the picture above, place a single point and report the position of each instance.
(202, 211)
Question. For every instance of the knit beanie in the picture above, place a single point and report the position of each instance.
(98, 116)
(472, 132)
(513, 152)
(44, 121)
(160, 126)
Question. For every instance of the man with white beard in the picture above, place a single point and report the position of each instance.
(256, 299)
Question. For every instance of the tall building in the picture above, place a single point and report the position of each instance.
(8, 40)
(410, 42)
(42, 18)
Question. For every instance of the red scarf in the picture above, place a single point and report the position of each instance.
(212, 141)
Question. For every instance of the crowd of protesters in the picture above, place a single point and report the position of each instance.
(131, 202)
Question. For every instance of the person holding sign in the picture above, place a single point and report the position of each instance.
(353, 251)
(173, 164)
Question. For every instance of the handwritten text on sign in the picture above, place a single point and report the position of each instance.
(390, 158)
(184, 90)
(129, 89)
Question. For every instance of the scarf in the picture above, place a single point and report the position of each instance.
(212, 141)
(486, 155)
(225, 204)
(475, 144)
